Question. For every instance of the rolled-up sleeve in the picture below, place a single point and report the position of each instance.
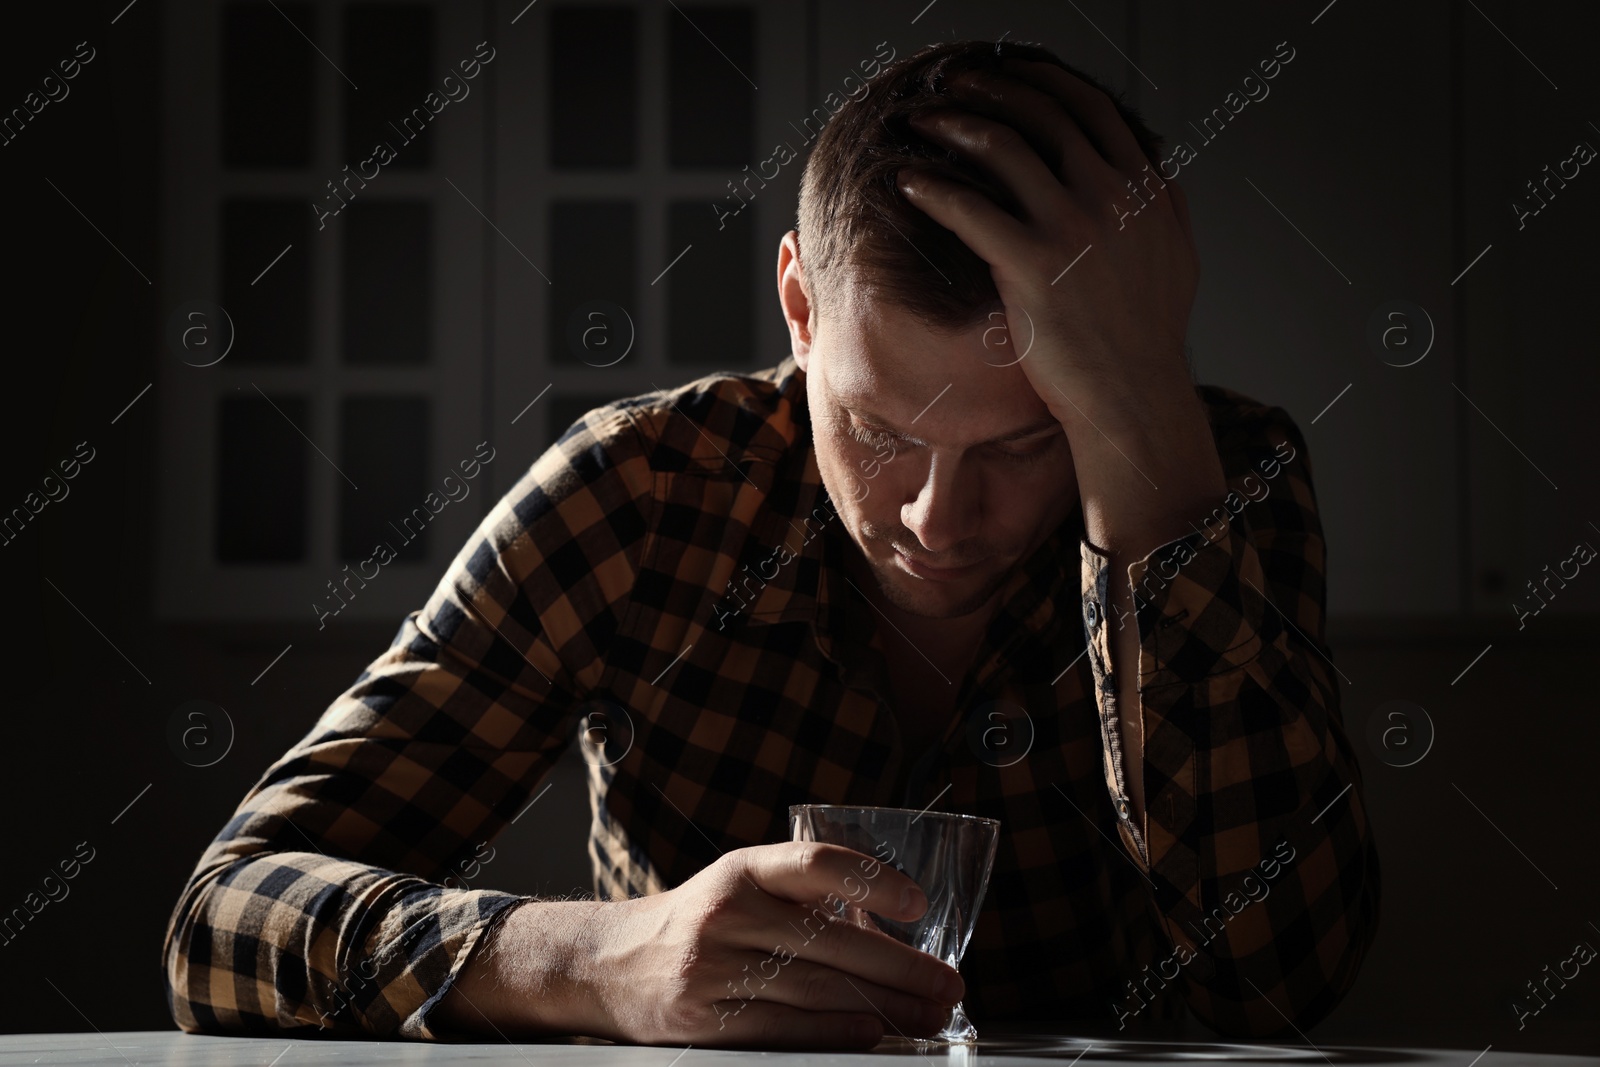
(1254, 834)
(339, 897)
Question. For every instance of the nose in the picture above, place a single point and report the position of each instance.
(947, 508)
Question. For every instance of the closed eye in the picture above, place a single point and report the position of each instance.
(875, 439)
(1030, 454)
(870, 438)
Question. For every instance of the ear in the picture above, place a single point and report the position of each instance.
(794, 297)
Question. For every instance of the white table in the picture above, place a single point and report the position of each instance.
(1014, 1049)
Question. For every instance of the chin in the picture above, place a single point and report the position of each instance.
(935, 600)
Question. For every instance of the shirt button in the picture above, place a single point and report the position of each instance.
(1122, 808)
(1091, 613)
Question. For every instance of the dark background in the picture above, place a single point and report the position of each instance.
(429, 314)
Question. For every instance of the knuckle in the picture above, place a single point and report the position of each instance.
(720, 871)
(913, 974)
(720, 905)
(686, 967)
(736, 862)
(1100, 103)
(682, 1017)
(814, 931)
(992, 141)
(964, 198)
(816, 988)
(810, 859)
(686, 1009)
(1112, 215)
(835, 937)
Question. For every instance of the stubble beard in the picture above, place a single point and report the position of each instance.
(905, 591)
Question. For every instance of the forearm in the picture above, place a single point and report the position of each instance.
(291, 941)
(1268, 906)
(1144, 475)
(528, 976)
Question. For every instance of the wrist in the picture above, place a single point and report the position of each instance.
(1142, 410)
(528, 975)
(1115, 390)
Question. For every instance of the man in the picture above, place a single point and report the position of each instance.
(979, 544)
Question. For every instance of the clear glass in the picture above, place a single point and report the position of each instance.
(948, 856)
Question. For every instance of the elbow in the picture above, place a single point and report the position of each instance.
(188, 1014)
(1304, 989)
(223, 976)
(195, 952)
(187, 966)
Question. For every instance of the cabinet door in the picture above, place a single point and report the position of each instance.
(318, 196)
(636, 201)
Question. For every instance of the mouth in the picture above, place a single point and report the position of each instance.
(936, 574)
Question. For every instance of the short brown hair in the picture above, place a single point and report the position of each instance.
(854, 222)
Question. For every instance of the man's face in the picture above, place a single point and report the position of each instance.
(945, 466)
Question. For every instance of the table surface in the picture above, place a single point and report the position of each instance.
(1012, 1049)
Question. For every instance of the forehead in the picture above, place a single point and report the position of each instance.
(878, 358)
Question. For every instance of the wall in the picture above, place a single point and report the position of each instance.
(1384, 160)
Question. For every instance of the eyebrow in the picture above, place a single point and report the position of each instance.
(1047, 423)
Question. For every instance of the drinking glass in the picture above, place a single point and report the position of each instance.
(948, 856)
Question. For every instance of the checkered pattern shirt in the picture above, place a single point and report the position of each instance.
(671, 570)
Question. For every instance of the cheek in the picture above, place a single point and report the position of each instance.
(876, 503)
(879, 503)
(892, 487)
(833, 457)
(849, 485)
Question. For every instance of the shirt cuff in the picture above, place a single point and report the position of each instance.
(463, 923)
(1198, 600)
(1200, 613)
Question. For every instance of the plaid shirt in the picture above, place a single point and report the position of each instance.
(670, 571)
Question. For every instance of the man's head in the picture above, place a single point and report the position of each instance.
(945, 465)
